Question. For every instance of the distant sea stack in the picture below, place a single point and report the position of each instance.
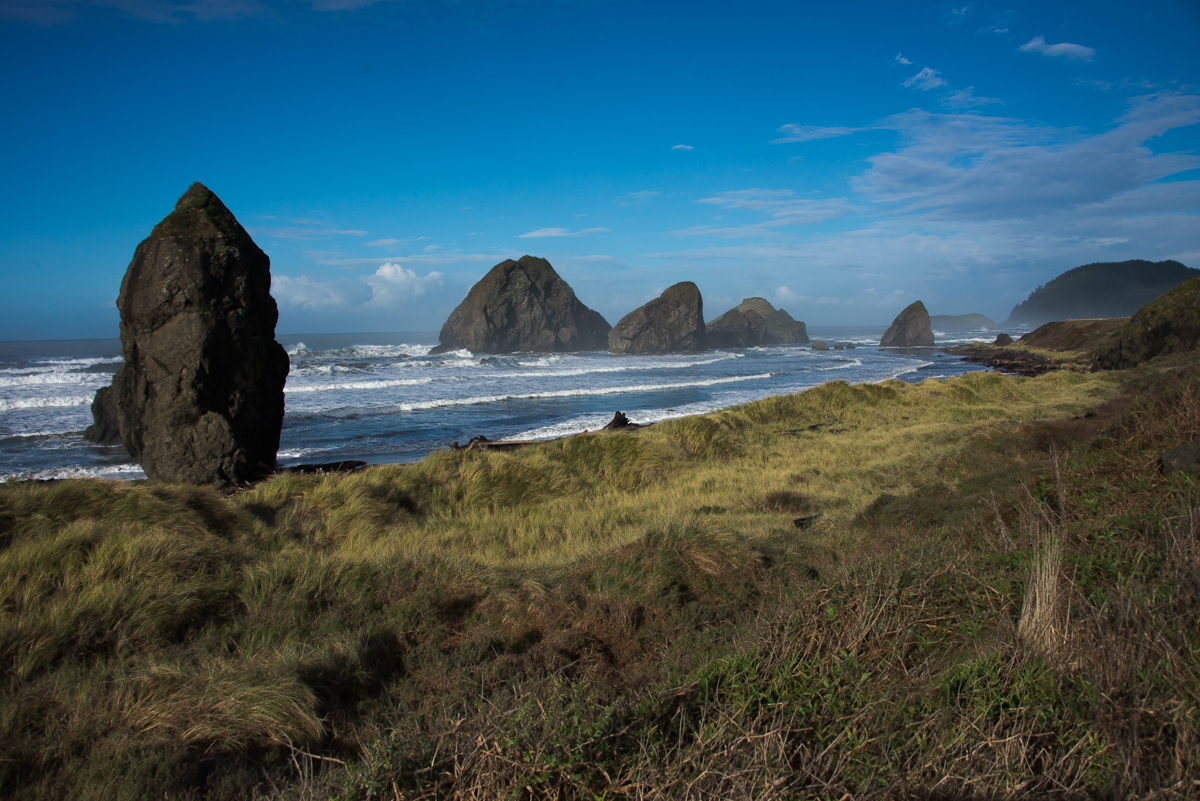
(755, 322)
(671, 323)
(523, 306)
(200, 396)
(1170, 324)
(910, 329)
(1103, 289)
(957, 323)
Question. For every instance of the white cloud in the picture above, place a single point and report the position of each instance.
(926, 79)
(784, 295)
(1064, 49)
(385, 242)
(807, 133)
(542, 233)
(682, 147)
(393, 285)
(899, 59)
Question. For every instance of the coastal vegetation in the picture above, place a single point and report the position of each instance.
(977, 587)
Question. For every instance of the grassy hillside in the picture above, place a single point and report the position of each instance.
(980, 586)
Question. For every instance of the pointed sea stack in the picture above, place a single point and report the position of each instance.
(200, 396)
(523, 306)
(671, 323)
(910, 329)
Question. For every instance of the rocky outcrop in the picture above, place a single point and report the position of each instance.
(755, 322)
(1003, 340)
(1185, 458)
(910, 329)
(200, 396)
(671, 323)
(1170, 324)
(820, 344)
(523, 306)
(105, 428)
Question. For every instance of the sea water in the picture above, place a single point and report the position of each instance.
(383, 398)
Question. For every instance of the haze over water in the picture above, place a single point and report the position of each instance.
(382, 398)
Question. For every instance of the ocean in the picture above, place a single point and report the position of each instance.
(382, 398)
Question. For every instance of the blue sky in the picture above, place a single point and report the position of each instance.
(839, 159)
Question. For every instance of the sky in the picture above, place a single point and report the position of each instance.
(841, 160)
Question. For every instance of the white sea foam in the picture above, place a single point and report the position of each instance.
(623, 368)
(398, 382)
(126, 472)
(297, 349)
(562, 393)
(7, 405)
(844, 364)
(98, 379)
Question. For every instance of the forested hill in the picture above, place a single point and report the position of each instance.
(1103, 289)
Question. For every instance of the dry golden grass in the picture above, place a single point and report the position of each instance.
(996, 597)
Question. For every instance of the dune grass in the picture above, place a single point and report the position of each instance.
(979, 586)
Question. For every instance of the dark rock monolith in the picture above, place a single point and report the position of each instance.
(1003, 340)
(671, 323)
(910, 329)
(820, 344)
(200, 396)
(523, 306)
(755, 322)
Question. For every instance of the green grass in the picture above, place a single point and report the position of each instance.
(998, 597)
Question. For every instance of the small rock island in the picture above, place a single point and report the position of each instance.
(523, 306)
(910, 329)
(671, 323)
(755, 322)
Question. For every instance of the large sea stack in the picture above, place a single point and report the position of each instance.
(1170, 324)
(755, 322)
(523, 306)
(671, 323)
(910, 329)
(200, 396)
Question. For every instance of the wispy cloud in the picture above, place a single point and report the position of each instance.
(308, 229)
(1062, 50)
(781, 207)
(966, 98)
(57, 12)
(899, 59)
(542, 233)
(968, 200)
(637, 198)
(926, 79)
(383, 243)
(682, 147)
(807, 133)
